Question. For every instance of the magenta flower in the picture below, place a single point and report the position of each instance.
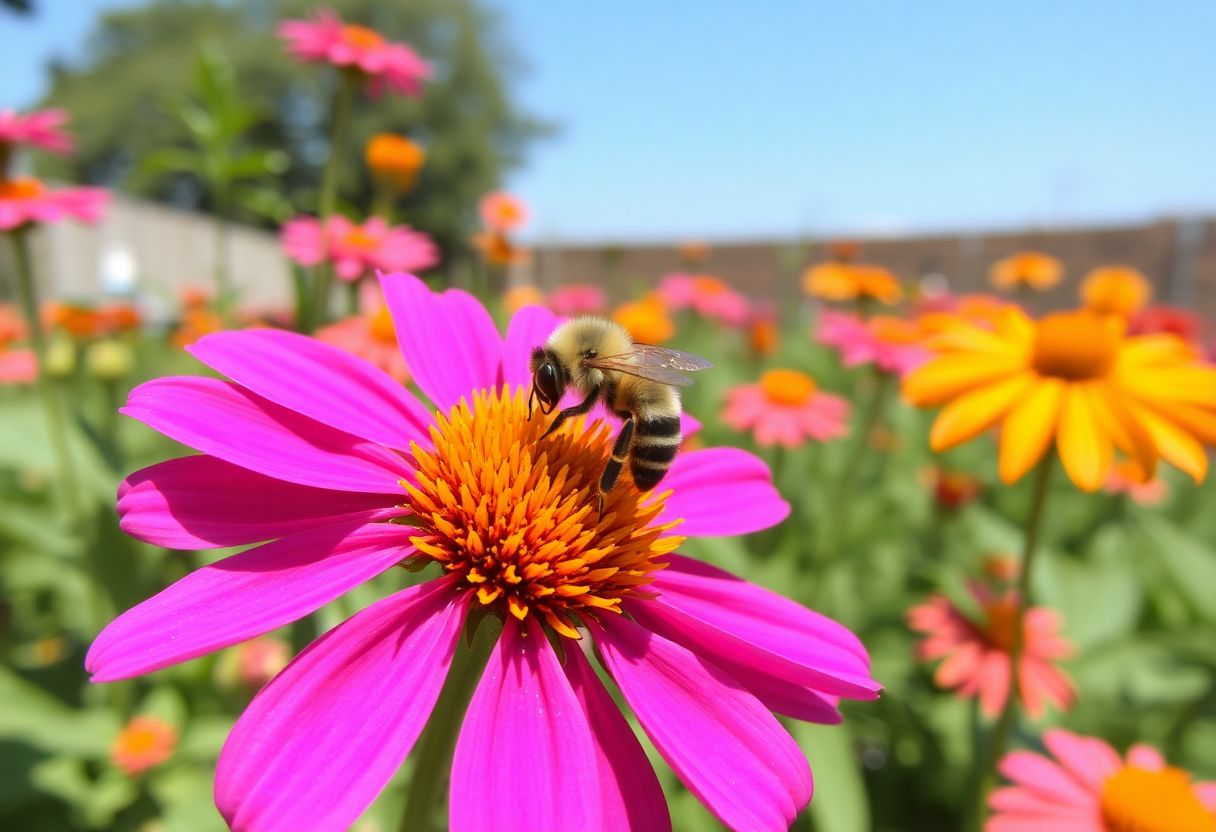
(706, 295)
(26, 201)
(576, 299)
(327, 40)
(891, 343)
(329, 459)
(357, 250)
(39, 129)
(786, 408)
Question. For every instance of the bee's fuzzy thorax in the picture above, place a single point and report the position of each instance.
(571, 342)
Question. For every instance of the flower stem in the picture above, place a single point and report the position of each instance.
(343, 100)
(837, 520)
(433, 754)
(1005, 722)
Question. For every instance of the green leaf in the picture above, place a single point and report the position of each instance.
(1190, 563)
(839, 804)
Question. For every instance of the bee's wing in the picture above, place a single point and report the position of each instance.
(654, 363)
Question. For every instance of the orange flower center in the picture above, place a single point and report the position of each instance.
(1075, 346)
(1001, 623)
(381, 326)
(516, 519)
(23, 187)
(787, 387)
(707, 285)
(361, 37)
(1137, 800)
(360, 239)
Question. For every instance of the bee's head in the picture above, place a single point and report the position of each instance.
(548, 380)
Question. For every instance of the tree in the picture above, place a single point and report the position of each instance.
(137, 62)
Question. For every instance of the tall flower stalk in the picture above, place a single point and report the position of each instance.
(344, 98)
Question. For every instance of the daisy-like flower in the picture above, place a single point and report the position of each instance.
(502, 212)
(143, 743)
(394, 160)
(976, 653)
(1115, 290)
(575, 299)
(41, 129)
(383, 64)
(348, 475)
(646, 320)
(369, 335)
(890, 343)
(708, 296)
(1026, 270)
(1076, 378)
(1082, 785)
(849, 281)
(786, 408)
(358, 250)
(26, 201)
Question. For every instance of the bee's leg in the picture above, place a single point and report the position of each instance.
(563, 415)
(613, 469)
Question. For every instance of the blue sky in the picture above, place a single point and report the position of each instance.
(721, 119)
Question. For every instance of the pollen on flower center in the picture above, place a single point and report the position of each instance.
(788, 387)
(23, 187)
(516, 518)
(1075, 346)
(362, 37)
(1001, 622)
(358, 238)
(1138, 800)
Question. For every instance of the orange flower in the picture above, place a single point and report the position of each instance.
(517, 297)
(394, 159)
(502, 212)
(843, 281)
(1027, 269)
(1076, 378)
(646, 320)
(498, 250)
(146, 741)
(693, 252)
(196, 322)
(1115, 290)
(75, 319)
(763, 337)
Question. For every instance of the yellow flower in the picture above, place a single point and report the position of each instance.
(646, 320)
(1028, 269)
(1115, 290)
(844, 281)
(1076, 378)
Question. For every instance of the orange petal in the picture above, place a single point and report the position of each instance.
(1085, 446)
(1174, 444)
(1027, 432)
(1128, 434)
(975, 412)
(946, 377)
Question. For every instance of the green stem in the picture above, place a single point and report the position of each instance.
(343, 100)
(224, 295)
(837, 519)
(1005, 722)
(352, 297)
(433, 754)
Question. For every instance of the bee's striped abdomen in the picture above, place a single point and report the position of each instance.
(655, 443)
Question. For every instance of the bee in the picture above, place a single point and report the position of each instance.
(637, 382)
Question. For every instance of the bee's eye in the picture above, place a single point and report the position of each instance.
(546, 383)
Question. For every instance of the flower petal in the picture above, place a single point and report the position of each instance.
(245, 595)
(526, 754)
(973, 413)
(318, 743)
(721, 741)
(200, 502)
(1089, 759)
(949, 376)
(530, 327)
(721, 491)
(235, 425)
(448, 338)
(1028, 430)
(319, 381)
(1085, 447)
(631, 795)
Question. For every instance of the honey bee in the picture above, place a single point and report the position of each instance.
(637, 382)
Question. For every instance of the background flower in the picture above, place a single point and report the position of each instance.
(357, 250)
(326, 39)
(41, 129)
(786, 408)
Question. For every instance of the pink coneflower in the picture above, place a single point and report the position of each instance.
(786, 408)
(358, 250)
(578, 299)
(976, 652)
(26, 201)
(369, 335)
(502, 212)
(39, 129)
(890, 343)
(327, 40)
(706, 295)
(1082, 785)
(329, 458)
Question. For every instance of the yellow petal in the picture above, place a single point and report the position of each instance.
(1085, 447)
(1174, 444)
(1027, 432)
(975, 412)
(1143, 350)
(1126, 431)
(944, 378)
(1192, 384)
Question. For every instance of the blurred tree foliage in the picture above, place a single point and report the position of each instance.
(137, 63)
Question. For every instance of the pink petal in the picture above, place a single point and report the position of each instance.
(721, 491)
(526, 757)
(1206, 792)
(229, 422)
(318, 743)
(1038, 823)
(319, 381)
(1040, 774)
(200, 502)
(629, 790)
(1145, 757)
(787, 639)
(1022, 801)
(530, 327)
(1088, 759)
(448, 338)
(245, 595)
(721, 741)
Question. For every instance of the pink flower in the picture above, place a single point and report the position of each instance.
(319, 452)
(1127, 477)
(327, 40)
(1082, 785)
(976, 653)
(708, 296)
(18, 366)
(786, 408)
(578, 299)
(502, 212)
(890, 343)
(357, 250)
(25, 201)
(37, 129)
